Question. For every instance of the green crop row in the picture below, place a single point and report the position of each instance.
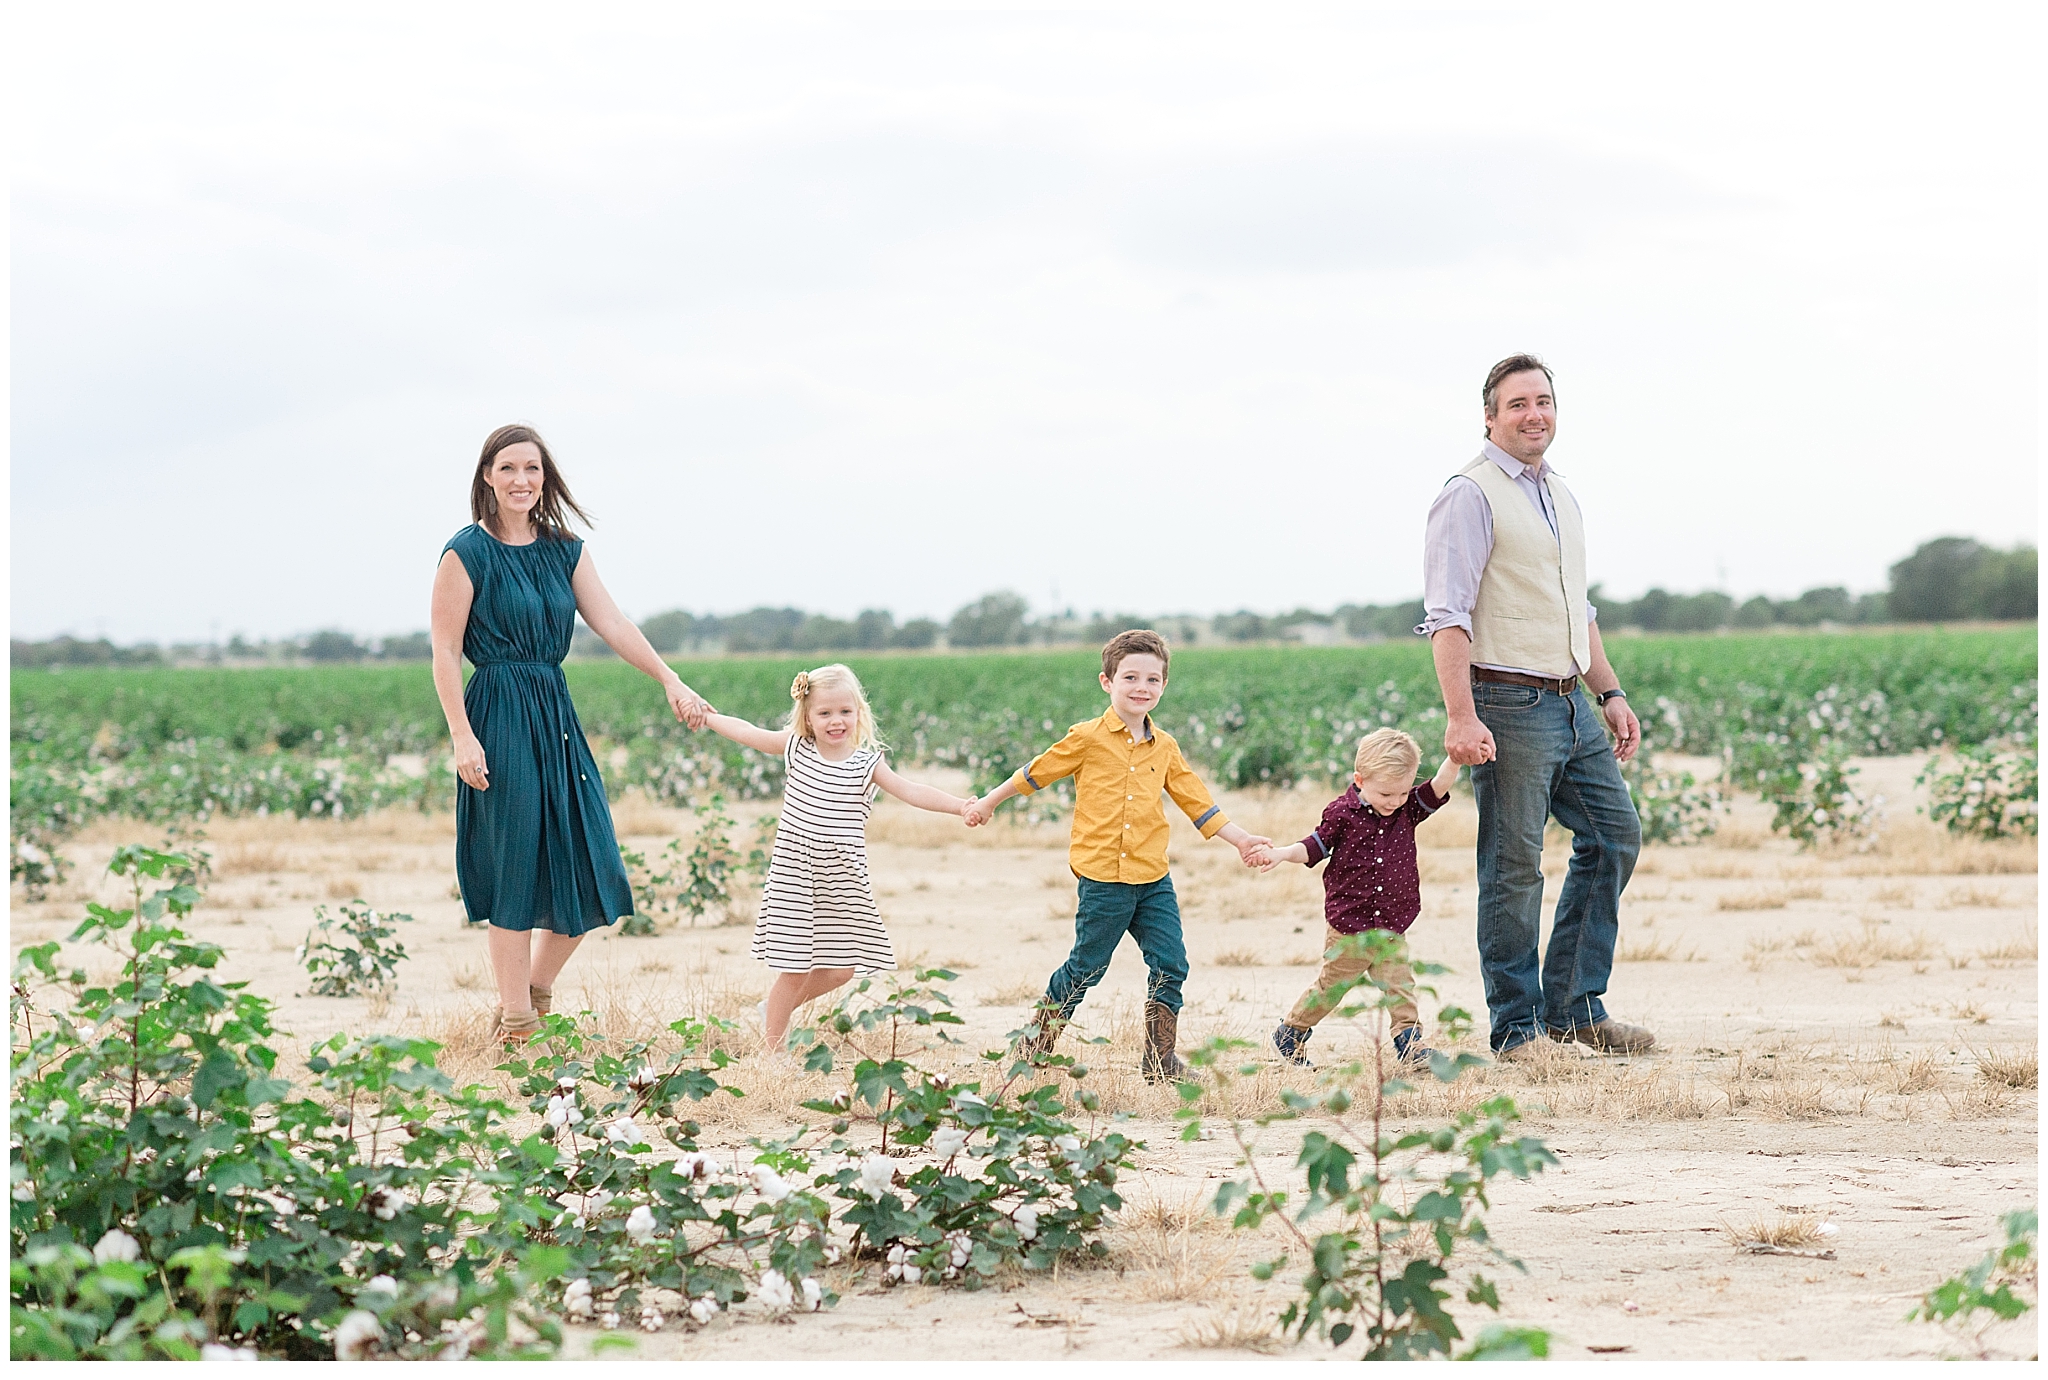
(172, 745)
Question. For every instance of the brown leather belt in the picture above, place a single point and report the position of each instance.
(1562, 686)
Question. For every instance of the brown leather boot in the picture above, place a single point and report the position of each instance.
(1162, 1029)
(1046, 1026)
(1609, 1036)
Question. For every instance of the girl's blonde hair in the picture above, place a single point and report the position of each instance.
(1387, 752)
(833, 677)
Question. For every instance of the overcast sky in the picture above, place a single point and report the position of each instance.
(1148, 313)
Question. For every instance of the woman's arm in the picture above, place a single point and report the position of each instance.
(594, 602)
(448, 620)
(775, 740)
(918, 794)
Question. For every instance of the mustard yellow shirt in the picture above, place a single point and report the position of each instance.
(1119, 816)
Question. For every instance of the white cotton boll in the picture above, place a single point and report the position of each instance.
(214, 1351)
(357, 1336)
(380, 1284)
(596, 1202)
(877, 1173)
(577, 1301)
(1070, 1146)
(608, 1320)
(623, 1132)
(386, 1203)
(651, 1319)
(24, 1192)
(814, 1296)
(566, 1083)
(776, 1292)
(1026, 1219)
(562, 1111)
(640, 1224)
(947, 1140)
(703, 1310)
(117, 1245)
(643, 1079)
(769, 1184)
(693, 1165)
(912, 1274)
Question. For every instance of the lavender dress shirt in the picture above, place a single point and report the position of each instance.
(1459, 538)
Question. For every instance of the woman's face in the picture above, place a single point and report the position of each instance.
(835, 717)
(516, 476)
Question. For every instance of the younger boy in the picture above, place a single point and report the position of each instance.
(1120, 764)
(1372, 883)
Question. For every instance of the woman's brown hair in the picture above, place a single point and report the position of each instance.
(555, 498)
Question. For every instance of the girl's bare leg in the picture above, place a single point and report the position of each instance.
(791, 990)
(512, 966)
(550, 952)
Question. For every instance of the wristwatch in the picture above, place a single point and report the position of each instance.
(1617, 693)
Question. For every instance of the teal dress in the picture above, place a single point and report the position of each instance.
(536, 850)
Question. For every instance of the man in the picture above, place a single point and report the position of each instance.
(1517, 650)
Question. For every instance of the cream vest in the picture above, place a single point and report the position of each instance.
(1531, 609)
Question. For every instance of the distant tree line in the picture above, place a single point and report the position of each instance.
(1947, 580)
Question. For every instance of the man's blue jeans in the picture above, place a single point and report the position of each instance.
(1552, 759)
(1148, 912)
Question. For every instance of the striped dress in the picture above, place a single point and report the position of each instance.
(817, 906)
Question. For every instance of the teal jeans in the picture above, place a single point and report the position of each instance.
(1148, 912)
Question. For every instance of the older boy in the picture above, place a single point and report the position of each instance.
(1373, 882)
(1121, 763)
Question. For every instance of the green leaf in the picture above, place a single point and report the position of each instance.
(215, 1073)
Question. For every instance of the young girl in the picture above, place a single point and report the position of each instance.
(818, 918)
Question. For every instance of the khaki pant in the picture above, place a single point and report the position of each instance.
(1339, 964)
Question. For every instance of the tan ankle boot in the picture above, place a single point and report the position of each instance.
(515, 1028)
(543, 999)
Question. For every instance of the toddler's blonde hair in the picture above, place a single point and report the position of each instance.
(1387, 752)
(833, 677)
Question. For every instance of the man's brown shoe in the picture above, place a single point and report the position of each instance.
(1609, 1036)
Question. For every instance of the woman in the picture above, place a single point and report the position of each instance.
(534, 848)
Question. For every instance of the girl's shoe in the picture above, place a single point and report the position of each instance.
(1290, 1040)
(1409, 1049)
(543, 999)
(513, 1029)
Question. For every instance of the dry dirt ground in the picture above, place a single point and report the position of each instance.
(1846, 1038)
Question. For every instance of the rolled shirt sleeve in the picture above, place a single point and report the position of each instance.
(1192, 796)
(1456, 542)
(1062, 759)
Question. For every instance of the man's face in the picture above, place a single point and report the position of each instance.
(1524, 420)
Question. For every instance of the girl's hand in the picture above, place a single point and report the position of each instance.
(975, 813)
(469, 763)
(1253, 848)
(690, 708)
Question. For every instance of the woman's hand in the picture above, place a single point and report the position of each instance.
(690, 708)
(470, 764)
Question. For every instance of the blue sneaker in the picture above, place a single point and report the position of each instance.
(1290, 1041)
(1408, 1047)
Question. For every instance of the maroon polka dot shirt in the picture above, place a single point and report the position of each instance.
(1372, 882)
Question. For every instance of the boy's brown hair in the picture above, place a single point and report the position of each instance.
(1139, 642)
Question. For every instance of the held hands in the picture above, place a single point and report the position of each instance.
(469, 763)
(1621, 720)
(1256, 851)
(975, 813)
(1469, 742)
(690, 708)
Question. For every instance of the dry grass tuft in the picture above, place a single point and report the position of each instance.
(1650, 950)
(1023, 992)
(249, 859)
(1805, 891)
(1971, 895)
(1794, 1101)
(1721, 869)
(1756, 898)
(1887, 1021)
(1246, 1325)
(471, 977)
(1899, 895)
(1872, 945)
(1921, 1073)
(1790, 1231)
(1240, 958)
(2023, 948)
(2019, 1069)
(344, 888)
(1971, 1012)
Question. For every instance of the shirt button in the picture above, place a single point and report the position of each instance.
(1123, 855)
(1130, 797)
